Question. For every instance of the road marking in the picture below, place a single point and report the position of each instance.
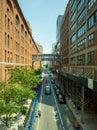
(67, 119)
(55, 119)
(58, 110)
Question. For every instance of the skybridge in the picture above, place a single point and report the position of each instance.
(46, 57)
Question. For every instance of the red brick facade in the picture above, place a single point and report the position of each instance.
(16, 42)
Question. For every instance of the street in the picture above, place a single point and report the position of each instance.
(54, 116)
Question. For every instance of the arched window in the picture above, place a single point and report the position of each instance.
(17, 20)
(10, 6)
(25, 34)
(22, 28)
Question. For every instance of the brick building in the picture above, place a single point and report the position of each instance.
(16, 42)
(78, 47)
(64, 39)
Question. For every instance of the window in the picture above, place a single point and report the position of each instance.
(22, 59)
(22, 28)
(8, 24)
(73, 49)
(22, 50)
(82, 14)
(67, 61)
(8, 41)
(96, 15)
(5, 20)
(80, 4)
(73, 26)
(91, 21)
(5, 38)
(10, 59)
(30, 41)
(17, 47)
(73, 16)
(11, 41)
(73, 38)
(25, 34)
(17, 20)
(5, 56)
(81, 59)
(90, 39)
(22, 39)
(90, 3)
(81, 44)
(7, 10)
(90, 58)
(73, 5)
(81, 30)
(17, 59)
(73, 60)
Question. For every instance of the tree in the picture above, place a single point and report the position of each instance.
(2, 85)
(12, 100)
(18, 90)
(39, 71)
(27, 78)
(8, 106)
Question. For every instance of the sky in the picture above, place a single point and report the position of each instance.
(42, 16)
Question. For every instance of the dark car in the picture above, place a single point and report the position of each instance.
(58, 91)
(61, 98)
(53, 81)
(47, 90)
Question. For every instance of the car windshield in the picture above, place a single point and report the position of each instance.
(48, 87)
(60, 96)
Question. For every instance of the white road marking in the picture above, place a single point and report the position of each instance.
(58, 109)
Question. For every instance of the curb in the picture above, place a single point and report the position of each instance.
(75, 119)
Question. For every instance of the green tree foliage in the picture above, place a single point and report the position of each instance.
(12, 100)
(27, 78)
(8, 106)
(14, 94)
(2, 85)
(39, 71)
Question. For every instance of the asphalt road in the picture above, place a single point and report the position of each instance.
(54, 116)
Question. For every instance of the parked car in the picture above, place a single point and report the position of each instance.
(47, 90)
(61, 98)
(55, 87)
(57, 91)
(53, 81)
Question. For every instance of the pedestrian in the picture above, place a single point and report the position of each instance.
(76, 124)
(39, 113)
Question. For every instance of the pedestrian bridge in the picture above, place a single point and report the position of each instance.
(46, 57)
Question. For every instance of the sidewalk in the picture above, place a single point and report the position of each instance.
(90, 119)
(15, 125)
(18, 122)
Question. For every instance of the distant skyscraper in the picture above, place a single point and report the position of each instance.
(53, 47)
(58, 24)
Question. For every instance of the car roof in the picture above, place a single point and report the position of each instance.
(47, 86)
